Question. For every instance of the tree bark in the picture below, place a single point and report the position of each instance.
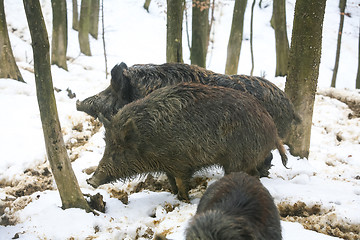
(66, 182)
(75, 22)
(342, 6)
(147, 5)
(235, 39)
(84, 27)
(200, 32)
(278, 22)
(103, 37)
(251, 38)
(8, 67)
(303, 72)
(94, 18)
(357, 84)
(175, 10)
(59, 33)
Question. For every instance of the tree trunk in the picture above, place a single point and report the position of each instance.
(342, 6)
(66, 182)
(235, 39)
(8, 67)
(358, 71)
(200, 32)
(278, 22)
(175, 10)
(75, 23)
(103, 37)
(147, 4)
(59, 33)
(84, 27)
(251, 38)
(303, 72)
(94, 18)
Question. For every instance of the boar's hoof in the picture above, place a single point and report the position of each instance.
(92, 183)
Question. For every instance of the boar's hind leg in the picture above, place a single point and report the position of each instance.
(265, 166)
(172, 182)
(183, 188)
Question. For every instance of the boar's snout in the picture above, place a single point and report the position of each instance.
(82, 105)
(78, 105)
(92, 182)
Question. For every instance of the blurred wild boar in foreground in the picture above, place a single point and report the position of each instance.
(237, 206)
(183, 128)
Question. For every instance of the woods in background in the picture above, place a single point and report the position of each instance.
(299, 63)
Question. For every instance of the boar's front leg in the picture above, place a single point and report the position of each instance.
(172, 182)
(183, 188)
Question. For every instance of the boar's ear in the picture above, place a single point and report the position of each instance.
(129, 133)
(120, 82)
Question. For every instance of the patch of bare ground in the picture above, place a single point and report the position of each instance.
(348, 97)
(18, 193)
(81, 133)
(317, 219)
(156, 185)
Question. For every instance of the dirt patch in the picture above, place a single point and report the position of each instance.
(121, 195)
(9, 217)
(153, 184)
(141, 234)
(355, 107)
(35, 180)
(81, 133)
(18, 193)
(317, 219)
(350, 98)
(156, 185)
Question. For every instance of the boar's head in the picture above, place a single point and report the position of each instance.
(120, 160)
(109, 101)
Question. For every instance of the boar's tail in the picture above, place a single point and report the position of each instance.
(282, 151)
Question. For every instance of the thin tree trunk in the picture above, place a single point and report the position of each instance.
(147, 5)
(212, 18)
(200, 32)
(84, 27)
(358, 71)
(59, 33)
(75, 22)
(175, 10)
(235, 39)
(94, 18)
(304, 62)
(342, 6)
(187, 26)
(278, 22)
(103, 37)
(251, 38)
(66, 182)
(8, 67)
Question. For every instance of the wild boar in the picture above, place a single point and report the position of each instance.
(183, 128)
(237, 206)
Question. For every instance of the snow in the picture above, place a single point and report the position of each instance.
(329, 178)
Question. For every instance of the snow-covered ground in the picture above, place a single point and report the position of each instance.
(322, 193)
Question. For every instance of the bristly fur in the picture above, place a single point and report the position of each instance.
(237, 206)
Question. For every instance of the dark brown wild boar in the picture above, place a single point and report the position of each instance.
(237, 206)
(183, 128)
